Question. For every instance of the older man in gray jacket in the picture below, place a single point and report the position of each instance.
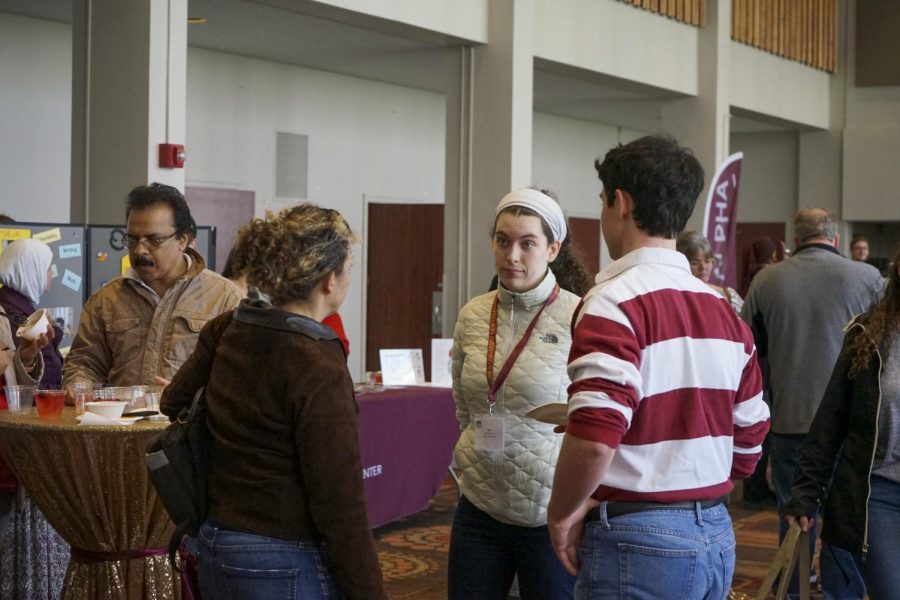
(797, 310)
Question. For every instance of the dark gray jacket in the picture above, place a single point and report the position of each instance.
(842, 438)
(797, 310)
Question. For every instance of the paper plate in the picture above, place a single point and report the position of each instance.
(555, 413)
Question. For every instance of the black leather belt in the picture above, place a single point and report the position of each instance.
(619, 509)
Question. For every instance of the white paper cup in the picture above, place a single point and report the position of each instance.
(111, 409)
(35, 325)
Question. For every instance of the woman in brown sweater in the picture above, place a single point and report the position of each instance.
(287, 516)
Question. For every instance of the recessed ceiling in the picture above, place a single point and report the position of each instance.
(404, 57)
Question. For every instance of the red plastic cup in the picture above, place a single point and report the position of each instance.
(50, 403)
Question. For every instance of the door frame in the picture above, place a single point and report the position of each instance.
(368, 199)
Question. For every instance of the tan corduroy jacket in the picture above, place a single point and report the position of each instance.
(128, 334)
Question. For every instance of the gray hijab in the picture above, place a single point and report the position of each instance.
(23, 267)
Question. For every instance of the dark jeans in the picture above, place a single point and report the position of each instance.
(486, 554)
(785, 453)
(243, 566)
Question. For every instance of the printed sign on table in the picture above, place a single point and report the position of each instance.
(441, 355)
(402, 366)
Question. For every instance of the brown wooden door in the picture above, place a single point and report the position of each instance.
(746, 234)
(586, 237)
(226, 210)
(405, 254)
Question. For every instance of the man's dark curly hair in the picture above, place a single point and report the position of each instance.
(662, 178)
(146, 196)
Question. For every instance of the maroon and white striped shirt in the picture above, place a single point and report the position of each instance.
(664, 371)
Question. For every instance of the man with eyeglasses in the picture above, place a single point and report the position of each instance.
(145, 323)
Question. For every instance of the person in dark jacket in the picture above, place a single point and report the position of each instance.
(25, 274)
(850, 461)
(287, 514)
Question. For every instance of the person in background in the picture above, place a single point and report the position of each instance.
(699, 254)
(26, 274)
(859, 248)
(144, 324)
(665, 405)
(33, 556)
(850, 461)
(509, 355)
(287, 515)
(763, 251)
(797, 310)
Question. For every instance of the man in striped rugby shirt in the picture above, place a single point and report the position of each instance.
(665, 404)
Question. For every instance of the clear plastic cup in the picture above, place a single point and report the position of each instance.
(151, 401)
(50, 403)
(19, 398)
(83, 391)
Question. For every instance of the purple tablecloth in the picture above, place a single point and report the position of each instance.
(407, 437)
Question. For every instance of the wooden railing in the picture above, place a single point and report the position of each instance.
(801, 30)
(692, 12)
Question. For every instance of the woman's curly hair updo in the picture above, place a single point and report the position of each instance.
(286, 256)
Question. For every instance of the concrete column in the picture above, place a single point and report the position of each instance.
(702, 122)
(489, 123)
(128, 96)
(820, 158)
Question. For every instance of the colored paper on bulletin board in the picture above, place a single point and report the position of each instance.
(14, 234)
(54, 272)
(49, 236)
(126, 264)
(71, 280)
(70, 251)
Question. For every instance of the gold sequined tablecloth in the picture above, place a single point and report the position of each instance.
(91, 483)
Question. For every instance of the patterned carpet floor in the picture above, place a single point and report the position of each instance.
(413, 551)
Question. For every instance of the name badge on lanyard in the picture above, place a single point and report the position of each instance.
(490, 429)
(490, 432)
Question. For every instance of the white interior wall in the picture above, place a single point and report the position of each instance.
(786, 89)
(365, 138)
(871, 179)
(563, 153)
(611, 37)
(35, 118)
(768, 189)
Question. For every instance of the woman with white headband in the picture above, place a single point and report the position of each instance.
(509, 356)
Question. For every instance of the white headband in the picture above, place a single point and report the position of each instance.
(543, 205)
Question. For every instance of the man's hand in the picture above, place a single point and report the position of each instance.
(565, 536)
(804, 522)
(161, 382)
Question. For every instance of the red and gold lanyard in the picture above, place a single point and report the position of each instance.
(511, 359)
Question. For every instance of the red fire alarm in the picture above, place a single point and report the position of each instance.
(171, 156)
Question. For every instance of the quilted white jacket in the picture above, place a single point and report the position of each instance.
(513, 486)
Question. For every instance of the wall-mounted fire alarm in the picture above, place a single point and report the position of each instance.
(171, 156)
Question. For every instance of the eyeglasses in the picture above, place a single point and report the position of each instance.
(154, 241)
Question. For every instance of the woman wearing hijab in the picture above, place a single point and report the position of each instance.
(33, 557)
(510, 349)
(25, 275)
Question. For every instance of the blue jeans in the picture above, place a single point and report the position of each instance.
(672, 553)
(244, 566)
(486, 554)
(881, 571)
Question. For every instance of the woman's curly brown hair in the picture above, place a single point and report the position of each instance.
(568, 267)
(882, 323)
(287, 255)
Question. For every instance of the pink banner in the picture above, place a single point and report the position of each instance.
(720, 220)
